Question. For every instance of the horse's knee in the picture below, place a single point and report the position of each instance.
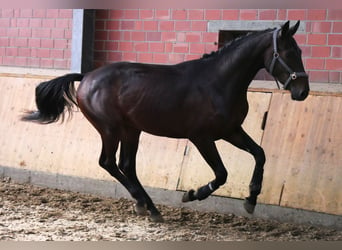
(221, 177)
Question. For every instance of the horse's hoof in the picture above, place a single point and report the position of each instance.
(249, 207)
(140, 210)
(158, 218)
(189, 196)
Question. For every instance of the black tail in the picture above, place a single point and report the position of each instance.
(52, 97)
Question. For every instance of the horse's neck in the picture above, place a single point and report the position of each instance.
(239, 66)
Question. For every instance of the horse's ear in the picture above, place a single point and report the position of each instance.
(285, 30)
(294, 28)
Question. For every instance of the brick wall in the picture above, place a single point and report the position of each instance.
(42, 38)
(35, 38)
(171, 36)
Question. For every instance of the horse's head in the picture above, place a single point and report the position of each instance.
(283, 61)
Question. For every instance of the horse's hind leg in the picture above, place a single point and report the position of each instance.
(107, 160)
(127, 164)
(242, 140)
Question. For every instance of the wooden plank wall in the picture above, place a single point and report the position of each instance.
(302, 141)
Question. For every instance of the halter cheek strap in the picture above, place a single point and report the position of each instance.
(292, 74)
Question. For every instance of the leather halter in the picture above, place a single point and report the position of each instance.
(276, 57)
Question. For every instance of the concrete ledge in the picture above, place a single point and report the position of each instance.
(171, 198)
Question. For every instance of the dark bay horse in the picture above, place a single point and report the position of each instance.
(203, 100)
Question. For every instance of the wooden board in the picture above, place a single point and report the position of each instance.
(159, 161)
(303, 141)
(240, 164)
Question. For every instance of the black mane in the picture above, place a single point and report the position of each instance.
(233, 43)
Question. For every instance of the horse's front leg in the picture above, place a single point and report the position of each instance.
(242, 140)
(209, 152)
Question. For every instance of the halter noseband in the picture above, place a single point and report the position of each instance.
(292, 74)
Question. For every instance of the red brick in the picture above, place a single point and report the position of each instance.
(334, 64)
(126, 35)
(112, 25)
(99, 45)
(168, 47)
(321, 27)
(68, 34)
(25, 32)
(337, 27)
(181, 48)
(33, 62)
(166, 25)
(318, 76)
(210, 47)
(182, 25)
(335, 39)
(131, 14)
(169, 36)
(212, 14)
(317, 39)
(4, 42)
(101, 35)
(162, 14)
(57, 33)
(296, 14)
(190, 57)
(26, 13)
(199, 25)
(196, 14)
(13, 32)
(11, 52)
(176, 58)
(336, 52)
(127, 25)
(102, 14)
(153, 36)
(267, 14)
(100, 25)
(8, 60)
(60, 64)
(41, 33)
(23, 22)
(320, 51)
(65, 13)
(115, 35)
(160, 58)
(179, 14)
(210, 37)
(100, 55)
(7, 13)
(282, 14)
(61, 44)
(3, 32)
(193, 37)
(306, 51)
(116, 14)
(230, 14)
(335, 14)
(126, 46)
(317, 14)
(314, 63)
(129, 56)
(35, 22)
(141, 47)
(111, 45)
(34, 42)
(5, 22)
(151, 25)
(197, 48)
(49, 23)
(157, 47)
(248, 14)
(20, 61)
(114, 56)
(62, 23)
(334, 77)
(138, 36)
(145, 57)
(300, 39)
(19, 42)
(39, 13)
(52, 13)
(25, 52)
(57, 54)
(181, 36)
(146, 14)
